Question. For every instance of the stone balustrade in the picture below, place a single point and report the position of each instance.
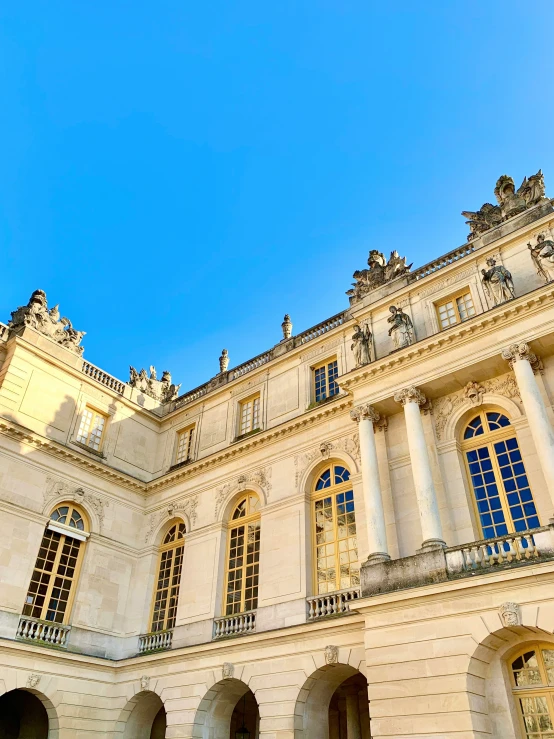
(503, 550)
(242, 623)
(331, 604)
(320, 329)
(45, 632)
(103, 378)
(444, 261)
(252, 364)
(155, 641)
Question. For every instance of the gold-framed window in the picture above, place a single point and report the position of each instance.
(91, 428)
(501, 492)
(532, 679)
(324, 380)
(183, 452)
(170, 567)
(455, 308)
(243, 557)
(335, 543)
(56, 572)
(249, 415)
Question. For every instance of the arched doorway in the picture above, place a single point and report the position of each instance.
(142, 718)
(333, 704)
(227, 708)
(22, 716)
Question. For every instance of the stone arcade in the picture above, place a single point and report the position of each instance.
(348, 536)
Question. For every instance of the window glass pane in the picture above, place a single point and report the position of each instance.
(465, 306)
(512, 470)
(526, 670)
(474, 428)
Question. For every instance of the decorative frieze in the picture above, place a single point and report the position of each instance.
(260, 478)
(58, 488)
(187, 507)
(323, 349)
(348, 444)
(452, 280)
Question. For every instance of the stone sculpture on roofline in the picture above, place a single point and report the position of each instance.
(380, 272)
(162, 390)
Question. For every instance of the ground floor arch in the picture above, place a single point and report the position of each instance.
(23, 715)
(143, 717)
(226, 708)
(333, 704)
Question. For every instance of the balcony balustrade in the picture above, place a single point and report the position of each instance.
(242, 623)
(331, 604)
(42, 632)
(156, 641)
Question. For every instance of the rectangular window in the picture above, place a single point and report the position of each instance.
(184, 445)
(91, 428)
(249, 415)
(455, 309)
(325, 376)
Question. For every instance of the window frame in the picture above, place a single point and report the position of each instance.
(190, 428)
(95, 412)
(489, 439)
(232, 523)
(452, 298)
(242, 404)
(313, 369)
(178, 543)
(544, 689)
(64, 531)
(316, 495)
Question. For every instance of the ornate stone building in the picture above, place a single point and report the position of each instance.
(348, 536)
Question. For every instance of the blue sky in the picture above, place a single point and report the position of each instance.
(179, 175)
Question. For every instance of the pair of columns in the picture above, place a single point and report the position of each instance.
(523, 362)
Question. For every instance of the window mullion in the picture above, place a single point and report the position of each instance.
(53, 575)
(501, 490)
(243, 576)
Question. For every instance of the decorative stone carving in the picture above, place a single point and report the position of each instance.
(331, 654)
(447, 282)
(145, 682)
(542, 255)
(410, 395)
(474, 392)
(223, 361)
(187, 507)
(33, 680)
(56, 488)
(260, 477)
(362, 345)
(48, 322)
(497, 282)
(402, 328)
(364, 412)
(380, 271)
(519, 352)
(325, 449)
(162, 390)
(511, 202)
(287, 327)
(348, 444)
(510, 614)
(228, 670)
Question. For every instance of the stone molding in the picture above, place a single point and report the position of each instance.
(257, 479)
(185, 508)
(521, 352)
(410, 395)
(449, 281)
(349, 444)
(56, 488)
(365, 412)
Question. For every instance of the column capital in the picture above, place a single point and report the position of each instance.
(410, 395)
(364, 412)
(521, 352)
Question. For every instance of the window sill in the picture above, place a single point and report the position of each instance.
(178, 465)
(247, 434)
(317, 403)
(99, 454)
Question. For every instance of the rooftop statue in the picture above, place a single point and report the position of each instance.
(380, 271)
(162, 390)
(510, 201)
(542, 255)
(48, 322)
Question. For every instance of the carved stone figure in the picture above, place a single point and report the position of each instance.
(331, 655)
(511, 202)
(497, 282)
(361, 345)
(48, 322)
(542, 255)
(510, 614)
(380, 271)
(162, 390)
(402, 328)
(145, 682)
(474, 392)
(224, 361)
(33, 680)
(228, 670)
(287, 327)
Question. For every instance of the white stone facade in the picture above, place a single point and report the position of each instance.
(422, 648)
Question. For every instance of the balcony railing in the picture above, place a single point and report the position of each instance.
(103, 378)
(242, 623)
(331, 604)
(42, 632)
(156, 641)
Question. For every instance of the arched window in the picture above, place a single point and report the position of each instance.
(532, 674)
(502, 494)
(336, 547)
(243, 560)
(54, 578)
(166, 596)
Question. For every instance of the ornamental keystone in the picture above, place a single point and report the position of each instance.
(510, 614)
(410, 395)
(518, 352)
(364, 412)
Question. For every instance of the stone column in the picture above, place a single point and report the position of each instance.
(411, 398)
(343, 732)
(366, 415)
(334, 729)
(353, 729)
(524, 363)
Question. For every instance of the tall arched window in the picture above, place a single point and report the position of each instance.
(336, 546)
(54, 578)
(243, 560)
(532, 674)
(502, 494)
(166, 596)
